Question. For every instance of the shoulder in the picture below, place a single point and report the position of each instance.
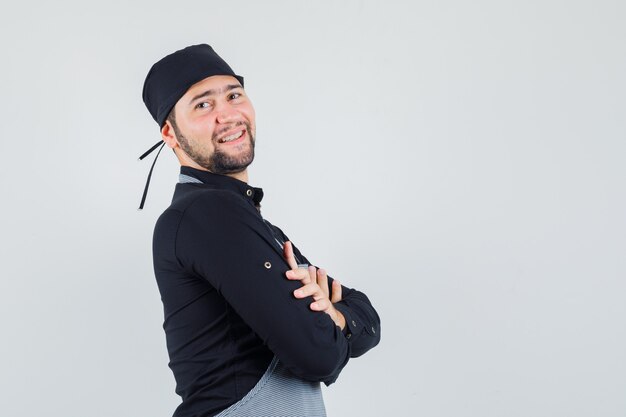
(192, 197)
(201, 207)
(197, 215)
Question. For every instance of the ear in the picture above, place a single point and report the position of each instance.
(168, 135)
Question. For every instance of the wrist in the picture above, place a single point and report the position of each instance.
(340, 320)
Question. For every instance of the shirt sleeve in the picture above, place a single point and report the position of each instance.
(223, 239)
(362, 321)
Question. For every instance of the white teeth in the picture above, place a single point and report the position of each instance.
(232, 137)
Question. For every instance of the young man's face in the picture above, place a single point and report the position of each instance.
(214, 126)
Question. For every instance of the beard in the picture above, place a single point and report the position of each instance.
(219, 162)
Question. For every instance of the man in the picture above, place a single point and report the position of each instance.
(252, 329)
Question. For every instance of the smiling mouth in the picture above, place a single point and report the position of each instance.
(232, 137)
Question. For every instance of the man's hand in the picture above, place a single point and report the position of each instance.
(315, 284)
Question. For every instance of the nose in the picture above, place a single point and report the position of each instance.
(227, 114)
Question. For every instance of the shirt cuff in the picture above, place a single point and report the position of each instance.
(352, 327)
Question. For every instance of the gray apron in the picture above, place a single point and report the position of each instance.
(279, 394)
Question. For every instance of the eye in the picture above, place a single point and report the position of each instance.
(203, 105)
(234, 96)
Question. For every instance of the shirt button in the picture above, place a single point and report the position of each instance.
(249, 193)
(354, 323)
(268, 265)
(349, 335)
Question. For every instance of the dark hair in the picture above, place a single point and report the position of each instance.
(171, 117)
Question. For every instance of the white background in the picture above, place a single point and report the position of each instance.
(462, 163)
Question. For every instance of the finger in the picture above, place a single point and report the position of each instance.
(299, 274)
(336, 292)
(312, 274)
(322, 281)
(289, 255)
(311, 289)
(322, 304)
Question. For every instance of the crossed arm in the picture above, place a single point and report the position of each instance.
(281, 303)
(315, 284)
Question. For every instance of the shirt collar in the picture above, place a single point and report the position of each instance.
(225, 182)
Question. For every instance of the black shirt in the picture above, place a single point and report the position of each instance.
(228, 306)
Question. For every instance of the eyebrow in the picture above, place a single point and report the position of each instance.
(212, 92)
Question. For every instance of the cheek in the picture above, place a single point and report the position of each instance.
(202, 128)
(249, 116)
(246, 109)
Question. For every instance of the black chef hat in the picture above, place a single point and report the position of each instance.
(170, 78)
